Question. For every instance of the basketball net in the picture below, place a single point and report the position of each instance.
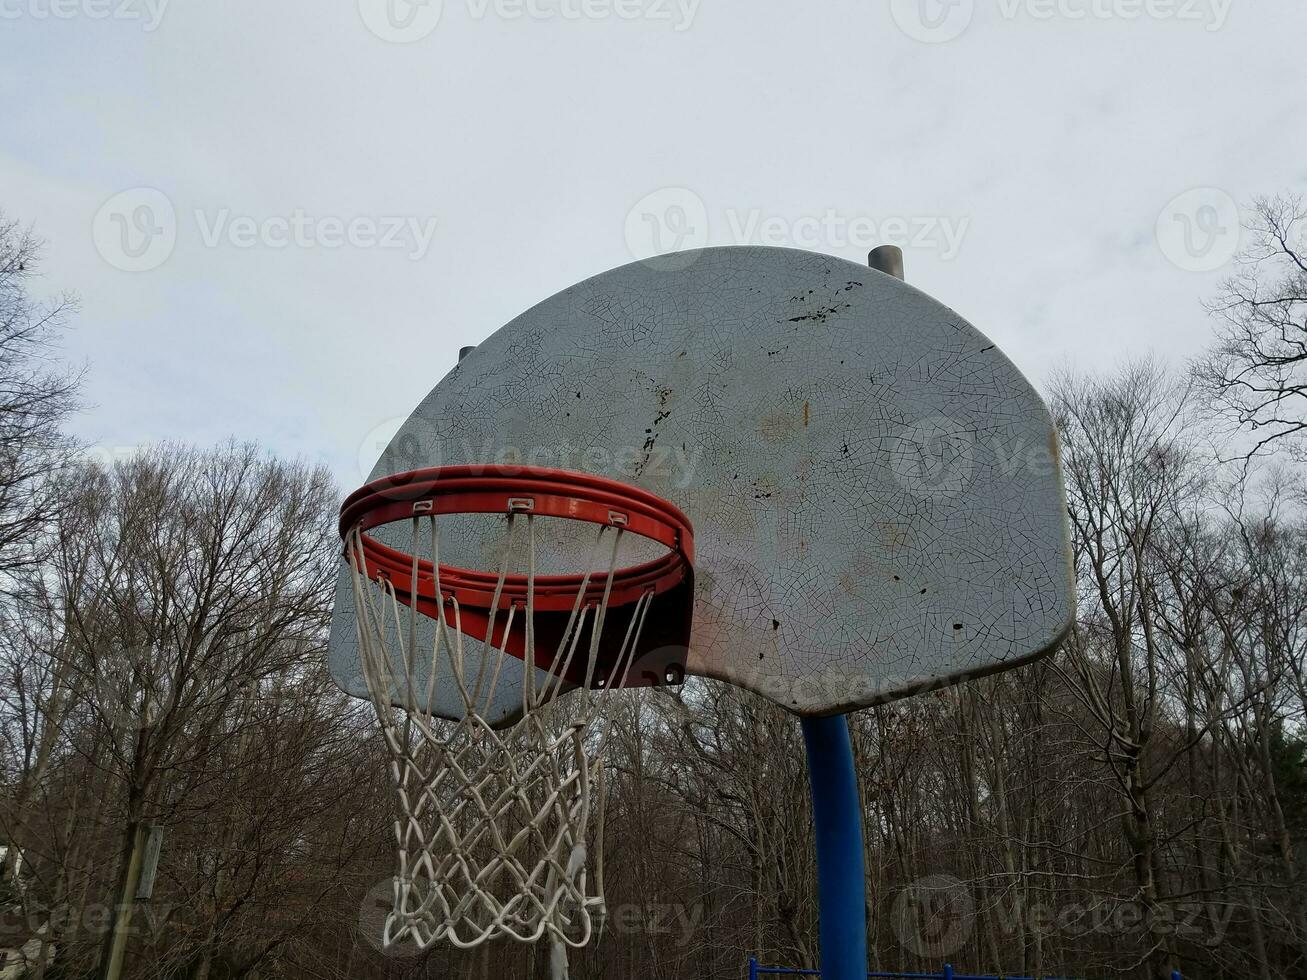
(497, 831)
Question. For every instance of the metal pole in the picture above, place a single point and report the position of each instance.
(887, 259)
(122, 921)
(837, 820)
(753, 968)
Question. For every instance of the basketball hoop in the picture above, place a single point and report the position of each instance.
(494, 826)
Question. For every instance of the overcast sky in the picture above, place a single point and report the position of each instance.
(284, 218)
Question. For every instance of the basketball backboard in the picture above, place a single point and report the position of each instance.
(874, 488)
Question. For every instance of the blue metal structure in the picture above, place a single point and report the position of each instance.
(756, 971)
(837, 820)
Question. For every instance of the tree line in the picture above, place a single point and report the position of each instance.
(1133, 804)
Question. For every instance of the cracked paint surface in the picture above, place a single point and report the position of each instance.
(874, 487)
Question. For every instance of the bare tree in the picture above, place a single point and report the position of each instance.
(1256, 372)
(212, 574)
(1132, 804)
(1127, 467)
(36, 396)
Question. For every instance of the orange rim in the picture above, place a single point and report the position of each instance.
(533, 490)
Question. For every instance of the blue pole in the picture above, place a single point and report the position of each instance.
(753, 968)
(837, 819)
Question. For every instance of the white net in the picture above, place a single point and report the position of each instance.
(499, 833)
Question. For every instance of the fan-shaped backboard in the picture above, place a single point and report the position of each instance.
(874, 487)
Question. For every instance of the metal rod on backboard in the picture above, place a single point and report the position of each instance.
(122, 919)
(887, 259)
(837, 822)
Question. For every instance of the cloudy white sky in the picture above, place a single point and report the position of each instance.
(283, 219)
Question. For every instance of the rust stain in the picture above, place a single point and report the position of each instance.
(862, 571)
(776, 426)
(893, 537)
(805, 415)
